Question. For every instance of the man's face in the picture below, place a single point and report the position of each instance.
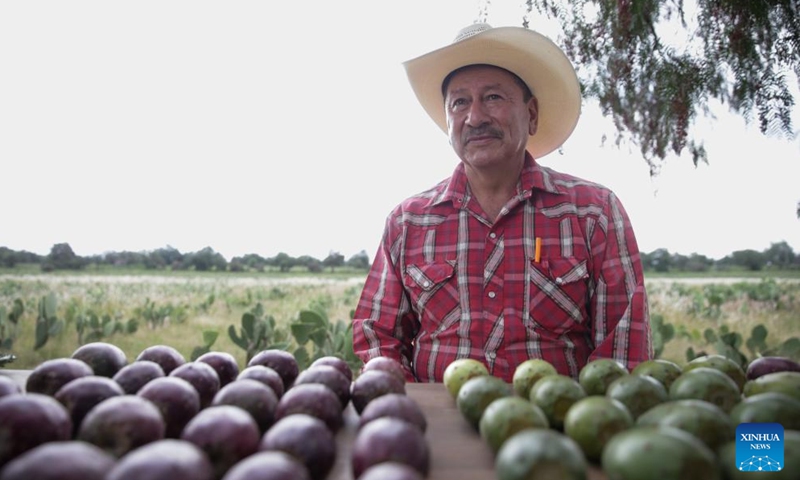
(488, 119)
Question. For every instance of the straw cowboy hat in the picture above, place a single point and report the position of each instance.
(531, 56)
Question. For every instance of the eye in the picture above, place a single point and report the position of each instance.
(458, 102)
(494, 96)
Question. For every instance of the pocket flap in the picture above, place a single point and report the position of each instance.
(564, 270)
(428, 275)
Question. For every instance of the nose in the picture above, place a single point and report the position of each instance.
(477, 114)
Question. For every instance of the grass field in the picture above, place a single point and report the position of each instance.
(179, 308)
(175, 309)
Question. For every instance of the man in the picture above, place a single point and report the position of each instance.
(506, 260)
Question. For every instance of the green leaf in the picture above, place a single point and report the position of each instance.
(132, 326)
(248, 326)
(759, 334)
(313, 318)
(690, 354)
(752, 346)
(92, 337)
(303, 360)
(16, 311)
(710, 336)
(319, 336)
(656, 321)
(109, 328)
(209, 337)
(41, 333)
(56, 327)
(301, 332)
(667, 332)
(347, 351)
(790, 348)
(731, 353)
(260, 331)
(338, 327)
(50, 305)
(734, 339)
(279, 346)
(235, 338)
(197, 352)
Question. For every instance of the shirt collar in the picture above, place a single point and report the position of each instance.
(533, 177)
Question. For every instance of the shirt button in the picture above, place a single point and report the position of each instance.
(492, 294)
(493, 235)
(426, 284)
(491, 355)
(559, 280)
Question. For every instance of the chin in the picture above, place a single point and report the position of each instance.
(484, 158)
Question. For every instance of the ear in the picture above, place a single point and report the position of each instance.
(533, 111)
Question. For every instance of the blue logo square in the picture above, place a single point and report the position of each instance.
(759, 447)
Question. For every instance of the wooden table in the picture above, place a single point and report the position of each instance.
(457, 450)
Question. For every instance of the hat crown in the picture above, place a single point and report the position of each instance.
(471, 31)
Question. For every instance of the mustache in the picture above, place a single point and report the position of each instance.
(481, 131)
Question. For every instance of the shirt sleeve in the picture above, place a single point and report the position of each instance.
(384, 325)
(618, 305)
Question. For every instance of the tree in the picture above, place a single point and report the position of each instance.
(698, 263)
(7, 257)
(252, 261)
(333, 260)
(164, 257)
(749, 258)
(359, 261)
(740, 53)
(780, 255)
(311, 263)
(124, 259)
(62, 257)
(283, 261)
(659, 260)
(206, 260)
(10, 258)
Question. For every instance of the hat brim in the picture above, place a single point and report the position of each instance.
(534, 58)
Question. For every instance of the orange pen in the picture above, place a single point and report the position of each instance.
(537, 255)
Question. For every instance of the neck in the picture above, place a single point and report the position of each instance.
(493, 188)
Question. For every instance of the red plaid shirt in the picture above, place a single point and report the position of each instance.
(446, 283)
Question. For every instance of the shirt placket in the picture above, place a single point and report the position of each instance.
(493, 298)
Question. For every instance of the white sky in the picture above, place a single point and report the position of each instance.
(266, 127)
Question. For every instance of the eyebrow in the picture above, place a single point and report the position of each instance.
(527, 93)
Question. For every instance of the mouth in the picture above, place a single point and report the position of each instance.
(482, 138)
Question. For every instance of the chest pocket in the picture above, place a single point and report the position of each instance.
(558, 293)
(433, 290)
